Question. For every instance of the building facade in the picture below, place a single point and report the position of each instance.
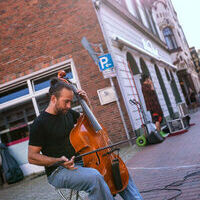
(39, 38)
(195, 59)
(171, 32)
(198, 52)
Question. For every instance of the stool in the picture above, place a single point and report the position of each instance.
(72, 193)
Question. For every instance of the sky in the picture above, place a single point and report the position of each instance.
(188, 12)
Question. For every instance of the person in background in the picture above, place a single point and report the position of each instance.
(151, 99)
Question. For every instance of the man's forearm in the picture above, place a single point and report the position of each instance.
(42, 160)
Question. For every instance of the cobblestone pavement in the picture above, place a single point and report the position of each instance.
(161, 164)
(152, 167)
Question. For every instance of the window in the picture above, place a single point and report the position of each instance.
(142, 13)
(14, 123)
(131, 7)
(19, 105)
(151, 22)
(133, 65)
(14, 94)
(169, 38)
(44, 82)
(41, 83)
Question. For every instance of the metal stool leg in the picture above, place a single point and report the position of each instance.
(61, 194)
(78, 196)
(70, 196)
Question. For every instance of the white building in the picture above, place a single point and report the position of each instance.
(171, 32)
(133, 36)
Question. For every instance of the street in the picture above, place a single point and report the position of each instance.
(161, 164)
(152, 167)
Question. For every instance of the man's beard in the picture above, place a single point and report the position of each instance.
(60, 111)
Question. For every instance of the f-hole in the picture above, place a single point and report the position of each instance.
(98, 163)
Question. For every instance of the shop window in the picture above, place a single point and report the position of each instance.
(14, 94)
(144, 68)
(164, 91)
(2, 124)
(175, 89)
(169, 38)
(167, 75)
(133, 65)
(14, 123)
(17, 136)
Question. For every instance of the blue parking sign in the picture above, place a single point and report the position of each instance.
(105, 62)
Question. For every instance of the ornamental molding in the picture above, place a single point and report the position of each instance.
(166, 23)
(156, 2)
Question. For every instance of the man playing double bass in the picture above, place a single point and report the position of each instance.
(49, 134)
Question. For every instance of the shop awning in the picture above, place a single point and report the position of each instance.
(127, 43)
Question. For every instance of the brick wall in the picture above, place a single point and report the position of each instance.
(38, 33)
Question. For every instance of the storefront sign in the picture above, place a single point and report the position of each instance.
(149, 47)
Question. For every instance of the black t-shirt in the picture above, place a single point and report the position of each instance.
(51, 132)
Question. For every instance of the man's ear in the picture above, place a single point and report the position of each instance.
(53, 99)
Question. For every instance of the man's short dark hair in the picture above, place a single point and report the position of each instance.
(56, 85)
(144, 77)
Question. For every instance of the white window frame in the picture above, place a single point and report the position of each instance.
(131, 8)
(143, 15)
(28, 80)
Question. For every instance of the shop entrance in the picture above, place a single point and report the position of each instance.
(149, 92)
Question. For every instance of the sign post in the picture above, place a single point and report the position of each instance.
(106, 66)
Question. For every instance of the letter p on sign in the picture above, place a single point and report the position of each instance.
(105, 62)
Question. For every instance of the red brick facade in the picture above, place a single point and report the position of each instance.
(39, 33)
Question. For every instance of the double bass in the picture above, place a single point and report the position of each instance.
(90, 140)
